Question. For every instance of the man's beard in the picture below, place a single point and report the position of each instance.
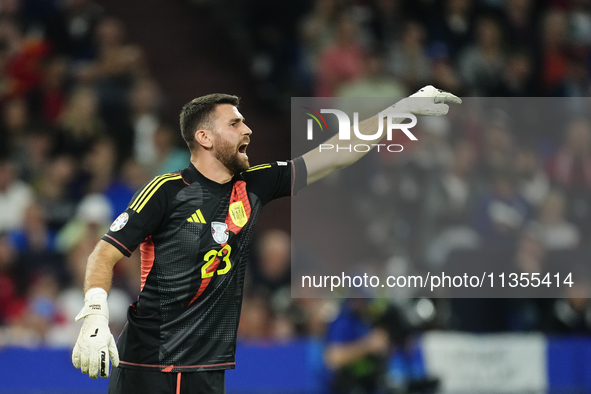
(228, 155)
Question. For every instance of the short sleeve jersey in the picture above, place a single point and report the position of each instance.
(194, 235)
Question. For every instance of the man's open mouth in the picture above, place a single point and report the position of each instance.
(242, 149)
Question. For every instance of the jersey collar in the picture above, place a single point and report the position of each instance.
(192, 175)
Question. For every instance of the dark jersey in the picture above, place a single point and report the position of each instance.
(194, 235)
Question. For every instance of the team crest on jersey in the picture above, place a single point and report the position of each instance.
(238, 214)
(220, 232)
(120, 222)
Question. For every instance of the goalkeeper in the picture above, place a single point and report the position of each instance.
(194, 228)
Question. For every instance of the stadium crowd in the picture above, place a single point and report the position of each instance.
(82, 128)
(507, 48)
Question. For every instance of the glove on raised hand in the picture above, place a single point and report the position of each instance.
(428, 101)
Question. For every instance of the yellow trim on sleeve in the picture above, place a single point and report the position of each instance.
(154, 189)
(134, 205)
(259, 167)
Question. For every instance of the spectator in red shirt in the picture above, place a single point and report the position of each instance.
(554, 51)
(343, 60)
(11, 305)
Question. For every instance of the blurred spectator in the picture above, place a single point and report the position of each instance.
(447, 205)
(34, 235)
(580, 23)
(169, 157)
(388, 18)
(375, 82)
(15, 197)
(277, 62)
(432, 154)
(31, 328)
(99, 166)
(145, 119)
(25, 57)
(100, 175)
(571, 167)
(434, 151)
(533, 181)
(445, 76)
(80, 235)
(554, 49)
(343, 60)
(35, 242)
(571, 315)
(15, 122)
(256, 318)
(271, 272)
(530, 253)
(312, 315)
(453, 29)
(13, 38)
(134, 175)
(5, 79)
(80, 122)
(42, 315)
(11, 302)
(49, 99)
(271, 280)
(33, 160)
(516, 77)
(92, 220)
(10, 8)
(71, 31)
(407, 59)
(318, 31)
(113, 74)
(54, 190)
(576, 81)
(554, 231)
(521, 23)
(502, 213)
(118, 66)
(497, 145)
(481, 64)
(117, 63)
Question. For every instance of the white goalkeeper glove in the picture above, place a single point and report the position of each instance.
(95, 344)
(428, 101)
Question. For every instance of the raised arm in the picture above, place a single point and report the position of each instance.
(427, 101)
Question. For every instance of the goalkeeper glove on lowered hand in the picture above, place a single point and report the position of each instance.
(95, 344)
(428, 101)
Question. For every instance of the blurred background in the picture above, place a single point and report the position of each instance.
(90, 93)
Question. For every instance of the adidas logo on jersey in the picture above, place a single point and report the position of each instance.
(197, 217)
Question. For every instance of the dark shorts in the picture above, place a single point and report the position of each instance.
(131, 381)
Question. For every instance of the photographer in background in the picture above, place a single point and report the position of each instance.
(356, 351)
(370, 349)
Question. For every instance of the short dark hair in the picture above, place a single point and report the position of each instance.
(197, 113)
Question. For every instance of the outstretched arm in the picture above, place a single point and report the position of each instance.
(427, 101)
